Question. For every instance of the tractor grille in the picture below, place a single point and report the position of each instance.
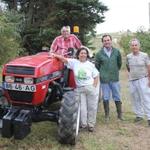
(21, 96)
(20, 70)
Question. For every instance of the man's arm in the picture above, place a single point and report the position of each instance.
(53, 47)
(78, 43)
(97, 61)
(148, 69)
(127, 65)
(119, 60)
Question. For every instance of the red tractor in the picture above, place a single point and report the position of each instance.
(30, 85)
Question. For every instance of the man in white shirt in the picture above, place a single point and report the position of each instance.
(138, 65)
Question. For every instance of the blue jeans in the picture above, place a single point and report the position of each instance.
(111, 88)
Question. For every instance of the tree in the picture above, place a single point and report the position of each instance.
(84, 13)
(9, 36)
(124, 42)
(44, 18)
(142, 36)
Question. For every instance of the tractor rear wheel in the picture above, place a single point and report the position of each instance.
(69, 119)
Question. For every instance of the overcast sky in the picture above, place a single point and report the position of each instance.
(125, 14)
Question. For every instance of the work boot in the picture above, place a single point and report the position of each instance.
(138, 119)
(119, 109)
(106, 109)
(91, 129)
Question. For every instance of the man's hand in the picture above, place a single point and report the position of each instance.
(148, 81)
(51, 55)
(148, 69)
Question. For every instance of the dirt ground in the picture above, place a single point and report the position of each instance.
(118, 135)
(115, 135)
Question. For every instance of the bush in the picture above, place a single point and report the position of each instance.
(9, 36)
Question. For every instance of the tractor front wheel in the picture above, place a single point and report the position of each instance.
(69, 119)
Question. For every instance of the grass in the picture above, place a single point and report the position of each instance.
(116, 135)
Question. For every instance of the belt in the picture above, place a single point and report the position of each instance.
(139, 78)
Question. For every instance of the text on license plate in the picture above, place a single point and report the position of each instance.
(20, 87)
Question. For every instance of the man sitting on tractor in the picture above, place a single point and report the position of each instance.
(62, 43)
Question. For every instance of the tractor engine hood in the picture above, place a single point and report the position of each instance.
(32, 60)
(38, 65)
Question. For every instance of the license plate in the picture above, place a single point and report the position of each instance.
(19, 87)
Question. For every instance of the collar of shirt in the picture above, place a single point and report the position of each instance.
(66, 39)
(108, 51)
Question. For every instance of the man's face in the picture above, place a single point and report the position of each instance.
(135, 47)
(107, 42)
(65, 33)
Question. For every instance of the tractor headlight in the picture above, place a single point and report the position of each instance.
(28, 80)
(10, 79)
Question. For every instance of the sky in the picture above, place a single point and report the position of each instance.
(125, 14)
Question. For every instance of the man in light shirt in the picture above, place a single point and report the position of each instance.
(108, 61)
(138, 65)
(66, 40)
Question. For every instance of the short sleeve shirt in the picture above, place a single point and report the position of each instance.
(84, 72)
(138, 65)
(61, 45)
